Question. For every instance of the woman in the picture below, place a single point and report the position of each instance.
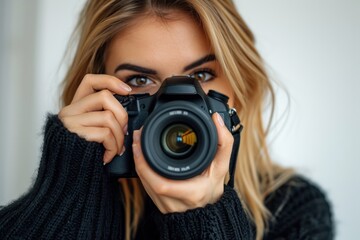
(128, 47)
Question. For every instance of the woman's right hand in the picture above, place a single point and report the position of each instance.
(96, 115)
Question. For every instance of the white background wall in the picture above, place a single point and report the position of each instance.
(311, 46)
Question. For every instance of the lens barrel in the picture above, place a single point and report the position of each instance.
(179, 140)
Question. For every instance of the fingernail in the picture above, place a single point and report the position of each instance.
(220, 120)
(126, 87)
(122, 151)
(105, 160)
(125, 130)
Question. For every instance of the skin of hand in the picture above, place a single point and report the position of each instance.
(96, 115)
(181, 195)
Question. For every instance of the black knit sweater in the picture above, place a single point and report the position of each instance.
(73, 198)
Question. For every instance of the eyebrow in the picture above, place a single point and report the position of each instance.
(144, 70)
(132, 67)
(207, 58)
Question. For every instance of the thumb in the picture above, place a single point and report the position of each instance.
(225, 143)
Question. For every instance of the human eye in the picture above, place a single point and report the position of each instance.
(139, 81)
(204, 75)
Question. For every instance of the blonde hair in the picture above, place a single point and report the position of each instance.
(234, 46)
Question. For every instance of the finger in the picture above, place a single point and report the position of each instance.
(105, 119)
(145, 173)
(103, 100)
(95, 82)
(100, 135)
(221, 161)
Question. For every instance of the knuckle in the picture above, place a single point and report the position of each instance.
(62, 113)
(113, 79)
(108, 117)
(107, 133)
(162, 189)
(112, 152)
(105, 94)
(124, 118)
(64, 120)
(69, 124)
(87, 78)
(120, 114)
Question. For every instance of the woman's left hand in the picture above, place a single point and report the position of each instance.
(180, 195)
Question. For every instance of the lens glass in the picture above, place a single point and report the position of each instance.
(178, 140)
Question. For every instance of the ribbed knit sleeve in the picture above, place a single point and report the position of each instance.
(225, 219)
(300, 210)
(72, 198)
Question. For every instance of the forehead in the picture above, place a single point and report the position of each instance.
(178, 36)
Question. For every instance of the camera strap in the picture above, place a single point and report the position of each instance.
(236, 132)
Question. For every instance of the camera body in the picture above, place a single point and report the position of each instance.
(179, 139)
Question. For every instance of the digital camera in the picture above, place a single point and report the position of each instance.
(179, 139)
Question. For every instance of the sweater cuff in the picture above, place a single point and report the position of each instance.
(225, 219)
(68, 157)
(72, 196)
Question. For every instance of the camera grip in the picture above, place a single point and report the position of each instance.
(123, 166)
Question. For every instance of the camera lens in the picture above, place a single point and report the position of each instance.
(178, 140)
